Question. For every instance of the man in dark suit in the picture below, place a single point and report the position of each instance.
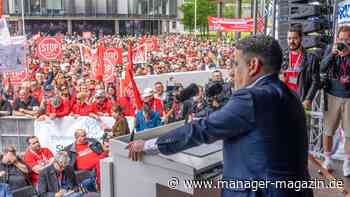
(58, 179)
(262, 126)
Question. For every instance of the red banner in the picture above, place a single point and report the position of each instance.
(114, 56)
(16, 78)
(233, 25)
(49, 48)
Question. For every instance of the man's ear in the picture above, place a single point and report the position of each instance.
(255, 66)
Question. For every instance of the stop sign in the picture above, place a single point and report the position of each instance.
(50, 48)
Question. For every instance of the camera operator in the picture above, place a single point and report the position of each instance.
(336, 65)
(301, 68)
(199, 106)
(214, 97)
(175, 110)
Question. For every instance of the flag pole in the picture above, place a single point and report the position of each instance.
(23, 25)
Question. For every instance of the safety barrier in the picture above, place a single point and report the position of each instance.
(14, 131)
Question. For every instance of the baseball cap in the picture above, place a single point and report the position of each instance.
(147, 92)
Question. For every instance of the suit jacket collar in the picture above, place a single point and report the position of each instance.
(263, 80)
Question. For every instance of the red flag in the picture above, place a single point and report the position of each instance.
(100, 67)
(1, 7)
(155, 44)
(129, 83)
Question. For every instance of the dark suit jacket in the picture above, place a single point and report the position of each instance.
(264, 135)
(48, 181)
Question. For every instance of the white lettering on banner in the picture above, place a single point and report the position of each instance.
(50, 48)
(60, 132)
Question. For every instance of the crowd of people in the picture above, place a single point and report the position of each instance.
(71, 172)
(68, 88)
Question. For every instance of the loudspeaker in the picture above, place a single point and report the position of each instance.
(300, 11)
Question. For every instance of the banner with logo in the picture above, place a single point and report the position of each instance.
(233, 25)
(13, 54)
(113, 55)
(60, 131)
(16, 78)
(49, 48)
(344, 12)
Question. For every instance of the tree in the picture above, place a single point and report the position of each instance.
(205, 8)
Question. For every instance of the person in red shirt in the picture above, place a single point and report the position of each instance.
(124, 101)
(102, 105)
(81, 108)
(301, 71)
(56, 106)
(154, 103)
(37, 91)
(37, 158)
(85, 154)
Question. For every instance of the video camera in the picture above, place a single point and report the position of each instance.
(213, 94)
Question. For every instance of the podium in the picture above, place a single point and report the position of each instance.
(150, 177)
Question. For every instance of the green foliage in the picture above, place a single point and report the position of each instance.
(205, 8)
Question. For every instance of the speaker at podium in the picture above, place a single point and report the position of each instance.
(160, 175)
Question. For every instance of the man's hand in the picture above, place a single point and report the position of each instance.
(307, 104)
(136, 150)
(2, 173)
(59, 194)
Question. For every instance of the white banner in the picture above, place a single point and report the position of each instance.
(4, 31)
(13, 54)
(343, 12)
(52, 133)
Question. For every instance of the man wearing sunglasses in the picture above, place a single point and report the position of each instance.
(336, 66)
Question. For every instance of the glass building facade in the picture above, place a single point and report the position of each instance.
(93, 8)
(112, 16)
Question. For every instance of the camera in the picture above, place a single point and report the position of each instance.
(171, 91)
(213, 94)
(340, 46)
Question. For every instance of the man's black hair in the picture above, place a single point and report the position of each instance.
(266, 48)
(298, 28)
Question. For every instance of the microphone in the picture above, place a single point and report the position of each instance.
(187, 93)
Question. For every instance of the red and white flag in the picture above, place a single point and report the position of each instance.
(114, 55)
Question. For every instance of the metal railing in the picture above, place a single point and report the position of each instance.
(14, 131)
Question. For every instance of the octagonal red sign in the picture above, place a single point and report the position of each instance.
(50, 48)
